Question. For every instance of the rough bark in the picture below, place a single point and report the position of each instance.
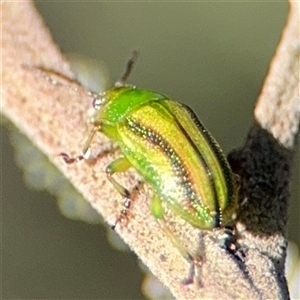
(48, 115)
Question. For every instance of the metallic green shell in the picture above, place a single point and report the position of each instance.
(166, 143)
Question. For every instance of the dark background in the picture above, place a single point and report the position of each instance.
(211, 56)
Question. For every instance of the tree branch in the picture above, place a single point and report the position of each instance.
(53, 117)
(277, 109)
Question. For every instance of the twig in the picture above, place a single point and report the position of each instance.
(53, 117)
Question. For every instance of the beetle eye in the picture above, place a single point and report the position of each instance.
(97, 102)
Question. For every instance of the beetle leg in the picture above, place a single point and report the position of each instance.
(120, 165)
(158, 212)
(85, 153)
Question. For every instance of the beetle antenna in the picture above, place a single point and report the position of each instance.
(130, 63)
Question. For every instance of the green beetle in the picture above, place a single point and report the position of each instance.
(169, 147)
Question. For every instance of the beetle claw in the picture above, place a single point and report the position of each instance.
(195, 263)
(70, 160)
(121, 218)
